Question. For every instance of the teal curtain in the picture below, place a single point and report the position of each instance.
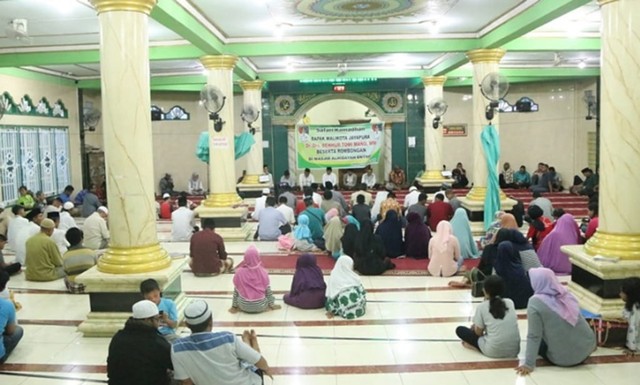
(242, 145)
(491, 146)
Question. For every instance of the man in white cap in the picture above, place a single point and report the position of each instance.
(166, 207)
(66, 220)
(220, 358)
(43, 259)
(412, 197)
(96, 233)
(138, 354)
(195, 185)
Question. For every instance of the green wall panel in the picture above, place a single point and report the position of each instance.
(415, 128)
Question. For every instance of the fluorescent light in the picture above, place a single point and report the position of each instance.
(290, 67)
(582, 64)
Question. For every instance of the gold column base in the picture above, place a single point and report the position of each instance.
(623, 246)
(251, 179)
(131, 260)
(432, 175)
(479, 193)
(222, 200)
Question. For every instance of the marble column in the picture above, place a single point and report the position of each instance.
(250, 185)
(223, 202)
(134, 252)
(485, 61)
(388, 161)
(597, 282)
(432, 177)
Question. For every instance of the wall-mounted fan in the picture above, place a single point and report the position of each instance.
(494, 87)
(212, 99)
(3, 106)
(249, 115)
(592, 104)
(91, 118)
(17, 29)
(437, 107)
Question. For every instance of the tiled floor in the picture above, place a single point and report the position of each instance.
(406, 338)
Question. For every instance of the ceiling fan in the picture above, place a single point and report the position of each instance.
(17, 29)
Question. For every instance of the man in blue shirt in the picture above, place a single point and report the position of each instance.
(11, 333)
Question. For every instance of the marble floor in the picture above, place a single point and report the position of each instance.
(406, 337)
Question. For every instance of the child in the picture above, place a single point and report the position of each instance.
(167, 308)
(630, 294)
(10, 268)
(495, 325)
(252, 290)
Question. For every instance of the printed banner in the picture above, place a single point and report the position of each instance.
(343, 146)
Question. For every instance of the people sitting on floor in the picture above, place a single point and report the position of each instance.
(535, 176)
(361, 211)
(10, 268)
(544, 203)
(43, 259)
(349, 180)
(207, 251)
(55, 205)
(438, 211)
(65, 195)
(630, 295)
(96, 232)
(166, 207)
(416, 237)
(286, 211)
(333, 231)
(10, 331)
(390, 232)
(369, 178)
(329, 203)
(206, 357)
(271, 222)
(528, 255)
(306, 179)
(362, 190)
(25, 199)
(495, 330)
(260, 203)
(565, 232)
(307, 287)
(194, 185)
(381, 196)
(266, 177)
(76, 260)
(316, 222)
(419, 208)
(6, 216)
(556, 329)
(506, 179)
(444, 252)
(369, 254)
(487, 238)
(291, 198)
(168, 310)
(41, 200)
(90, 202)
(539, 226)
(390, 204)
(58, 235)
(138, 354)
(348, 240)
(462, 231)
(397, 178)
(588, 186)
(412, 197)
(287, 179)
(556, 180)
(24, 232)
(592, 225)
(346, 296)
(183, 222)
(453, 199)
(459, 178)
(521, 178)
(252, 290)
(329, 176)
(165, 185)
(301, 236)
(509, 267)
(544, 180)
(338, 197)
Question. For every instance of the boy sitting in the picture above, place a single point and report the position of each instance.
(167, 308)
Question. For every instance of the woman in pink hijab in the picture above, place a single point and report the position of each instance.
(565, 232)
(252, 293)
(444, 251)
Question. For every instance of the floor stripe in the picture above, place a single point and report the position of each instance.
(49, 322)
(368, 301)
(49, 377)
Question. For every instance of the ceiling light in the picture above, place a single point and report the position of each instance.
(290, 67)
(582, 64)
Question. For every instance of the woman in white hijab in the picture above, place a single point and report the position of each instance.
(346, 296)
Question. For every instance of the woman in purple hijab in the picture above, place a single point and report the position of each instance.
(308, 287)
(417, 236)
(565, 232)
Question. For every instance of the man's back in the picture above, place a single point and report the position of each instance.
(214, 359)
(366, 194)
(43, 258)
(419, 209)
(291, 199)
(182, 224)
(206, 251)
(546, 206)
(95, 231)
(361, 212)
(439, 211)
(90, 204)
(269, 224)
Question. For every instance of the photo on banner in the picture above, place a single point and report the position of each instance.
(339, 146)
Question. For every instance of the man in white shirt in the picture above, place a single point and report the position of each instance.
(286, 210)
(182, 222)
(380, 197)
(306, 179)
(270, 221)
(66, 220)
(260, 203)
(266, 176)
(361, 191)
(329, 176)
(195, 185)
(369, 179)
(96, 233)
(59, 235)
(412, 197)
(56, 205)
(349, 180)
(25, 232)
(287, 179)
(17, 222)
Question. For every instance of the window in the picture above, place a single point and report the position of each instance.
(37, 157)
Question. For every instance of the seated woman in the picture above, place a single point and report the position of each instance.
(417, 236)
(444, 252)
(252, 293)
(462, 230)
(509, 267)
(557, 330)
(348, 239)
(333, 231)
(390, 231)
(302, 240)
(492, 230)
(369, 253)
(539, 226)
(346, 296)
(565, 232)
(308, 287)
(527, 254)
(495, 324)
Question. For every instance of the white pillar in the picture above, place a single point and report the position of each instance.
(253, 97)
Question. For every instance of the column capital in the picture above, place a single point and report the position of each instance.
(211, 62)
(142, 6)
(486, 55)
(433, 80)
(251, 85)
(605, 2)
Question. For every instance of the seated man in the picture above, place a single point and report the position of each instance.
(206, 357)
(10, 268)
(287, 211)
(349, 180)
(66, 220)
(521, 178)
(361, 211)
(26, 199)
(138, 354)
(182, 222)
(545, 180)
(590, 184)
(65, 196)
(76, 260)
(420, 207)
(195, 185)
(291, 198)
(166, 184)
(9, 330)
(329, 176)
(287, 179)
(438, 211)
(96, 231)
(412, 197)
(390, 203)
(338, 197)
(44, 262)
(270, 221)
(207, 251)
(397, 177)
(369, 179)
(362, 190)
(306, 179)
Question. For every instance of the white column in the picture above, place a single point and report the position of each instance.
(432, 176)
(253, 97)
